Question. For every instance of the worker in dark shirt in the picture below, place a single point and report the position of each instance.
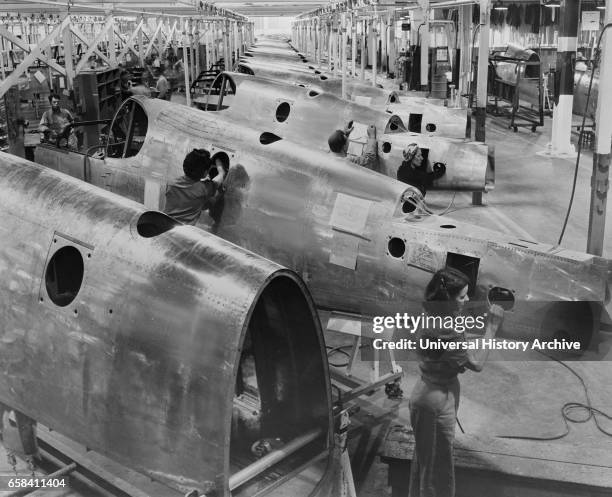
(56, 125)
(197, 190)
(413, 170)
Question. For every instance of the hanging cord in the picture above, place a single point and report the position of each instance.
(569, 411)
(586, 107)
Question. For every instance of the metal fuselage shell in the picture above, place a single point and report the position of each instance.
(313, 115)
(142, 364)
(280, 201)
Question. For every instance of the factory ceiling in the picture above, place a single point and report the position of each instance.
(248, 8)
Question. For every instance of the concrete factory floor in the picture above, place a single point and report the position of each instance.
(508, 398)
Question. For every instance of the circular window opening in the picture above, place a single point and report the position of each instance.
(397, 247)
(502, 297)
(64, 275)
(386, 147)
(431, 127)
(448, 226)
(282, 112)
(392, 99)
(408, 207)
(393, 126)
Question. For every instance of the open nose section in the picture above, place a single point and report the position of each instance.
(281, 405)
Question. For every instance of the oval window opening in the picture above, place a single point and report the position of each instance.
(154, 223)
(282, 112)
(386, 147)
(317, 72)
(448, 226)
(431, 127)
(393, 126)
(396, 247)
(502, 297)
(313, 93)
(64, 275)
(267, 138)
(392, 99)
(323, 78)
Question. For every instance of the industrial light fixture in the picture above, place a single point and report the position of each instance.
(553, 4)
(499, 6)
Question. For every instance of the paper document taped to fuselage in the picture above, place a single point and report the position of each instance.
(350, 214)
(344, 250)
(357, 139)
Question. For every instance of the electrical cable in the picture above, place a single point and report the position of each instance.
(569, 409)
(586, 107)
(424, 210)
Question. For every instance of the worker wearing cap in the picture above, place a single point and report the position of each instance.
(339, 142)
(413, 170)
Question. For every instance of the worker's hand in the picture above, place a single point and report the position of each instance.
(495, 314)
(439, 168)
(371, 131)
(348, 128)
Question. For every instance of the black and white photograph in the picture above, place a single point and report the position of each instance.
(305, 248)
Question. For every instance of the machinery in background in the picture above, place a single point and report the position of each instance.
(516, 88)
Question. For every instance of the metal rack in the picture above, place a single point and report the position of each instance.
(515, 87)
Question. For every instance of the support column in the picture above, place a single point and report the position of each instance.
(353, 45)
(343, 39)
(330, 41)
(112, 53)
(363, 50)
(384, 32)
(391, 50)
(483, 66)
(192, 54)
(309, 39)
(564, 78)
(601, 158)
(141, 48)
(424, 32)
(226, 47)
(196, 38)
(481, 85)
(465, 45)
(68, 63)
(186, 33)
(373, 49)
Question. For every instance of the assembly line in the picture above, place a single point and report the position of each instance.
(183, 267)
